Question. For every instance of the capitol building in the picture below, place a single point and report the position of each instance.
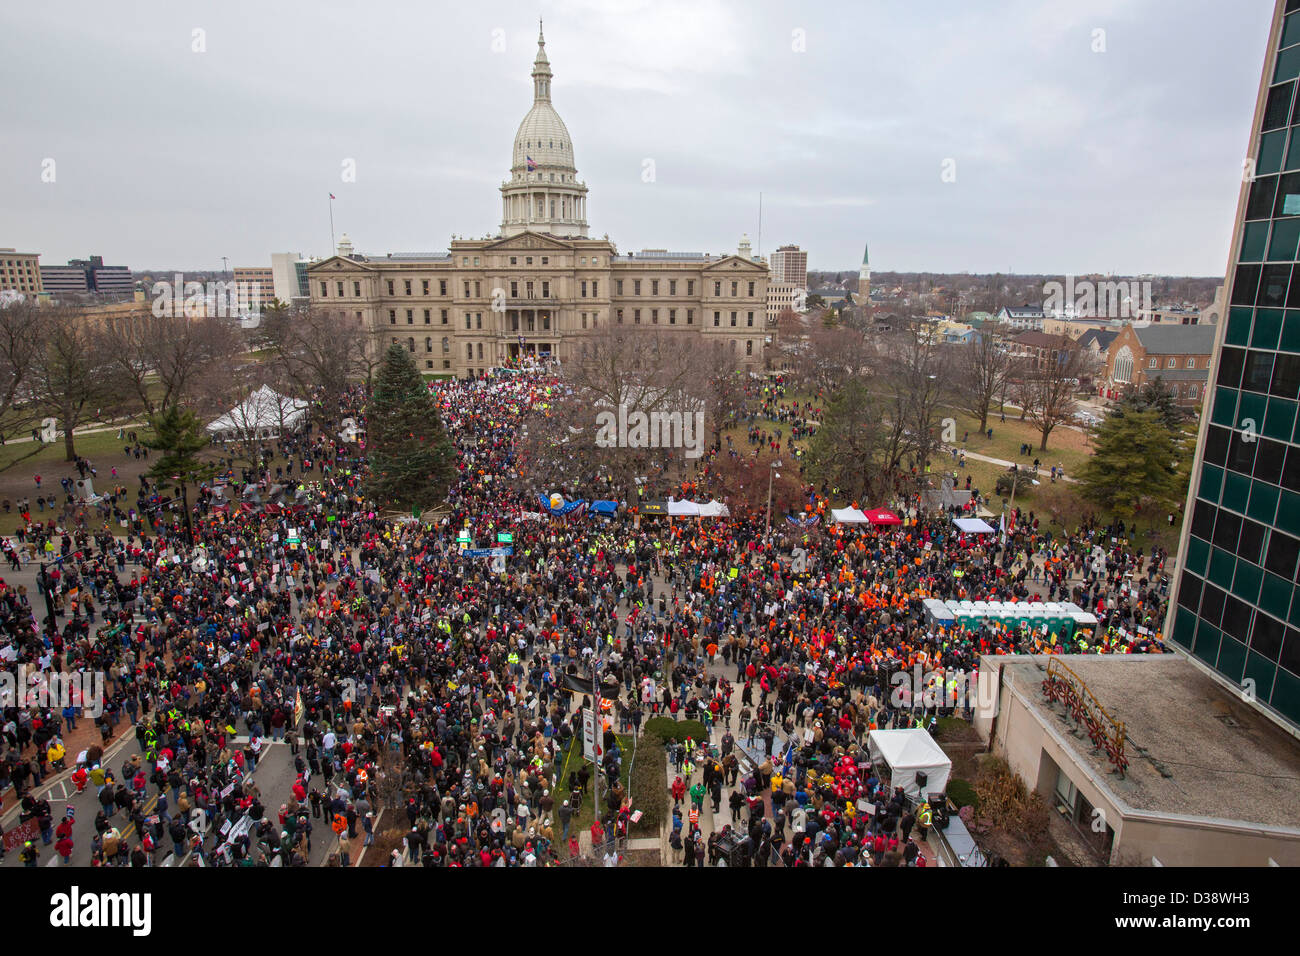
(542, 286)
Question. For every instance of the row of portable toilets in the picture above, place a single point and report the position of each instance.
(1063, 619)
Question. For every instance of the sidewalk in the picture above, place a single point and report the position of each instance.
(1042, 475)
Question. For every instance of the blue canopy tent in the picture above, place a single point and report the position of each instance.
(603, 507)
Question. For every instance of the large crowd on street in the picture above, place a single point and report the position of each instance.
(403, 675)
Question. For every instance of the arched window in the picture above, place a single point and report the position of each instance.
(428, 344)
(1124, 365)
(410, 344)
(446, 345)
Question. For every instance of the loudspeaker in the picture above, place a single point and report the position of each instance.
(921, 780)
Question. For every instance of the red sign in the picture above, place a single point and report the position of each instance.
(21, 834)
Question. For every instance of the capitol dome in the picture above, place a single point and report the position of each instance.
(543, 193)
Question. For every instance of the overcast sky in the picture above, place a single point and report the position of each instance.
(843, 116)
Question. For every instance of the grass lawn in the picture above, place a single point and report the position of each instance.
(1067, 446)
(583, 819)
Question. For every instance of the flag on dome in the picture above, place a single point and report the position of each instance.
(531, 165)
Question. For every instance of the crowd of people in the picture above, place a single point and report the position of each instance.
(403, 675)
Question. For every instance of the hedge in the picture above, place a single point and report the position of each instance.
(670, 729)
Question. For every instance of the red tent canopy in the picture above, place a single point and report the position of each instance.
(881, 516)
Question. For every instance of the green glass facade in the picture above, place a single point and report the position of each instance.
(1237, 600)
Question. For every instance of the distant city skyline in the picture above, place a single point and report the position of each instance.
(1103, 138)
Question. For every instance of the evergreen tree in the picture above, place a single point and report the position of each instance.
(412, 462)
(1158, 397)
(178, 433)
(845, 451)
(1132, 467)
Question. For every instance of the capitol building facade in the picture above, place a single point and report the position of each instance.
(542, 287)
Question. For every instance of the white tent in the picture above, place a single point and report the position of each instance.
(908, 752)
(683, 508)
(264, 414)
(714, 509)
(973, 525)
(849, 516)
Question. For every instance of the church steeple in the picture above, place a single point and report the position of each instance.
(541, 70)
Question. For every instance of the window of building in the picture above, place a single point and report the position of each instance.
(672, 286)
(446, 363)
(410, 316)
(584, 288)
(476, 260)
(339, 288)
(392, 316)
(446, 345)
(410, 345)
(514, 289)
(1153, 363)
(546, 260)
(480, 351)
(356, 289)
(407, 286)
(734, 287)
(428, 343)
(618, 287)
(443, 315)
(750, 320)
(427, 317)
(478, 320)
(584, 320)
(478, 289)
(690, 316)
(1172, 363)
(749, 348)
(546, 290)
(1191, 363)
(619, 316)
(636, 286)
(595, 288)
(751, 290)
(464, 260)
(654, 316)
(469, 351)
(595, 260)
(672, 316)
(654, 286)
(717, 319)
(468, 320)
(690, 287)
(424, 286)
(636, 316)
(717, 288)
(442, 287)
(390, 286)
(528, 260)
(733, 320)
(467, 288)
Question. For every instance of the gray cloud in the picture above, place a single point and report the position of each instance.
(1067, 160)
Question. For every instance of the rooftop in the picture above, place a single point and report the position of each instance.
(1177, 339)
(1194, 747)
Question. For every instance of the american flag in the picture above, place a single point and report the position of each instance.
(531, 165)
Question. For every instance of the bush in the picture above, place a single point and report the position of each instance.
(669, 729)
(963, 794)
(1024, 479)
(648, 784)
(1008, 804)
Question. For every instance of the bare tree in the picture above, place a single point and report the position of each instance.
(1051, 390)
(982, 367)
(321, 352)
(916, 373)
(70, 379)
(166, 360)
(20, 323)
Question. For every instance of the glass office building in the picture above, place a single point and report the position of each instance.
(1236, 605)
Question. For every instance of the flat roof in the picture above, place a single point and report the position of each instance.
(1194, 747)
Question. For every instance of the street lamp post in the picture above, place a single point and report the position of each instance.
(771, 469)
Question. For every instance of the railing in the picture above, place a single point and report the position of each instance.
(1106, 733)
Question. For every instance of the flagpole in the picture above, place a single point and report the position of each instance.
(332, 246)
